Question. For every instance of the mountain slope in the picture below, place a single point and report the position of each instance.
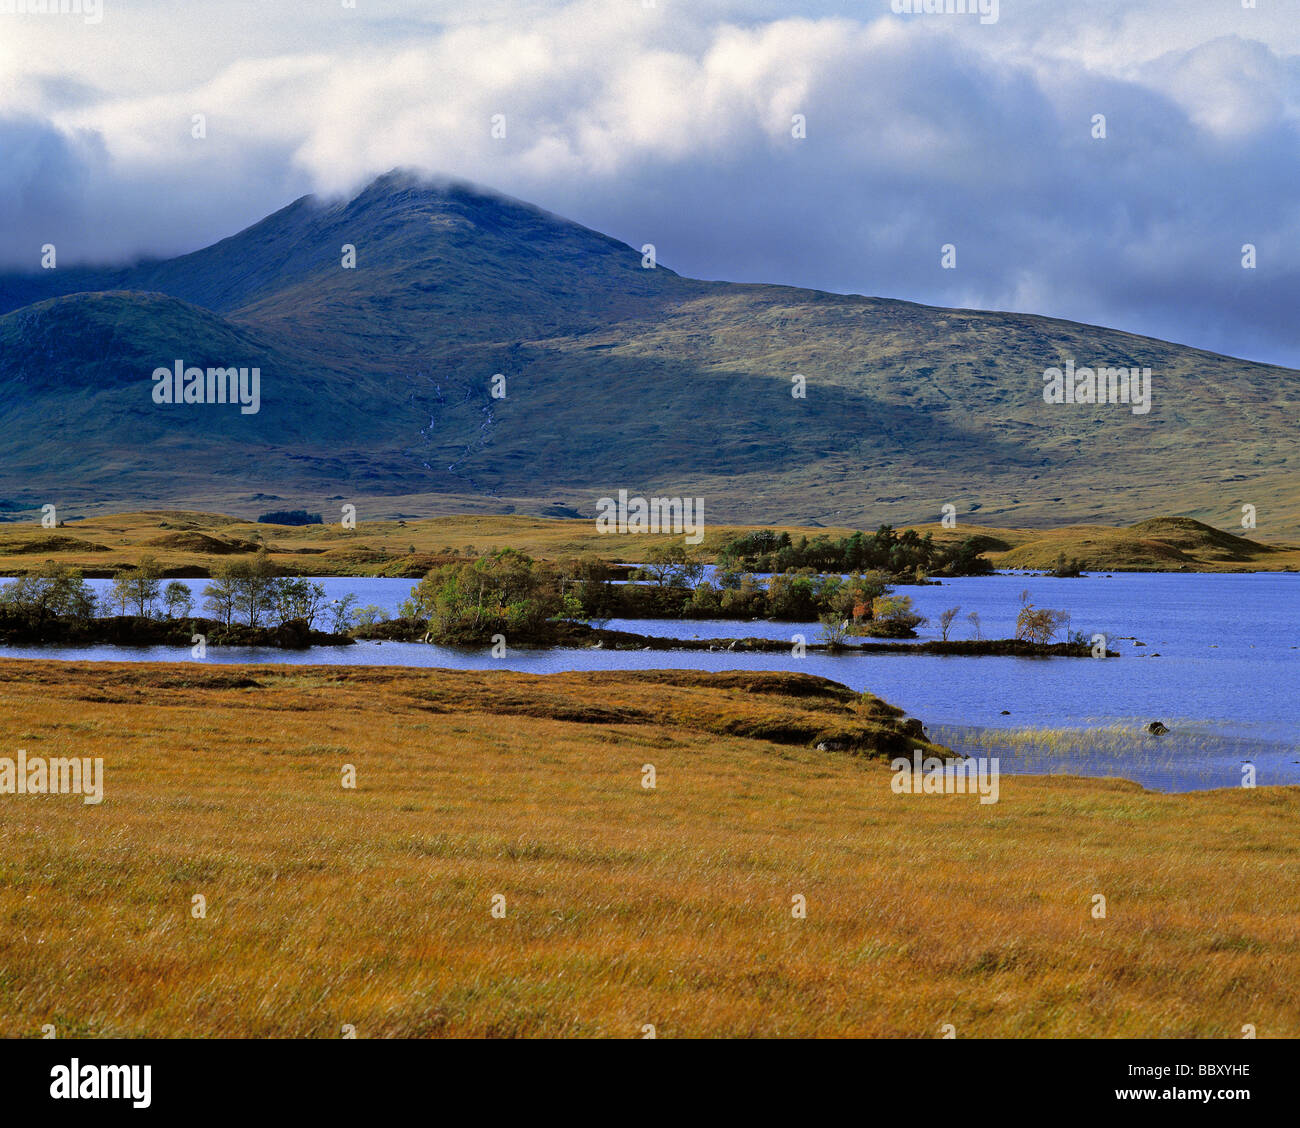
(377, 385)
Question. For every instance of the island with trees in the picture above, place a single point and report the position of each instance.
(508, 595)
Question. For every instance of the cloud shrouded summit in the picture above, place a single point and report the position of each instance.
(672, 125)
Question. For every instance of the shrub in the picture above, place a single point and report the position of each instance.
(1066, 569)
(834, 630)
(945, 620)
(369, 615)
(892, 617)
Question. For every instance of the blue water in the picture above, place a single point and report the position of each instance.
(1219, 668)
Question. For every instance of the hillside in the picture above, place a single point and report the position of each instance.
(1159, 545)
(191, 544)
(377, 387)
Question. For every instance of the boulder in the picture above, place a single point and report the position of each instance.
(1155, 728)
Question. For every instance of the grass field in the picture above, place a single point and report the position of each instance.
(624, 906)
(192, 543)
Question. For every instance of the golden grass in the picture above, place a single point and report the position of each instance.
(624, 906)
(176, 538)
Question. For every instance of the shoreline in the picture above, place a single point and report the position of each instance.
(899, 726)
(125, 631)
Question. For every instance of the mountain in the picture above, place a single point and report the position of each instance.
(376, 387)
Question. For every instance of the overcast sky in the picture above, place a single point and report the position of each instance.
(670, 122)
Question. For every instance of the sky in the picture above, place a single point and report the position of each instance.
(673, 122)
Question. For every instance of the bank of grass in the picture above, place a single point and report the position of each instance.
(190, 544)
(624, 906)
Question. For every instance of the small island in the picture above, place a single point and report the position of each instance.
(505, 596)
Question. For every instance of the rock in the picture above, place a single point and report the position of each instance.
(1155, 728)
(914, 728)
(1136, 643)
(830, 746)
(1005, 713)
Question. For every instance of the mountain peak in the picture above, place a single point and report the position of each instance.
(379, 359)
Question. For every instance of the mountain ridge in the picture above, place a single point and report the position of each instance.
(378, 385)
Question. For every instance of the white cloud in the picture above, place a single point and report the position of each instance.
(672, 125)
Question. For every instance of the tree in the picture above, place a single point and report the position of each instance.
(856, 596)
(589, 580)
(219, 597)
(868, 587)
(729, 578)
(974, 618)
(119, 594)
(341, 613)
(178, 600)
(144, 585)
(792, 598)
(746, 601)
(665, 564)
(297, 598)
(54, 591)
(1038, 625)
(705, 601)
(254, 586)
(503, 592)
(945, 620)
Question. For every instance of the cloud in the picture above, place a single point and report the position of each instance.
(673, 125)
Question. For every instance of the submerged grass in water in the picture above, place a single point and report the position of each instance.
(1189, 757)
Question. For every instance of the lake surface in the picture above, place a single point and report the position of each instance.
(1219, 667)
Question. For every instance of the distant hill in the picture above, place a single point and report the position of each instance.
(191, 544)
(377, 381)
(1158, 545)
